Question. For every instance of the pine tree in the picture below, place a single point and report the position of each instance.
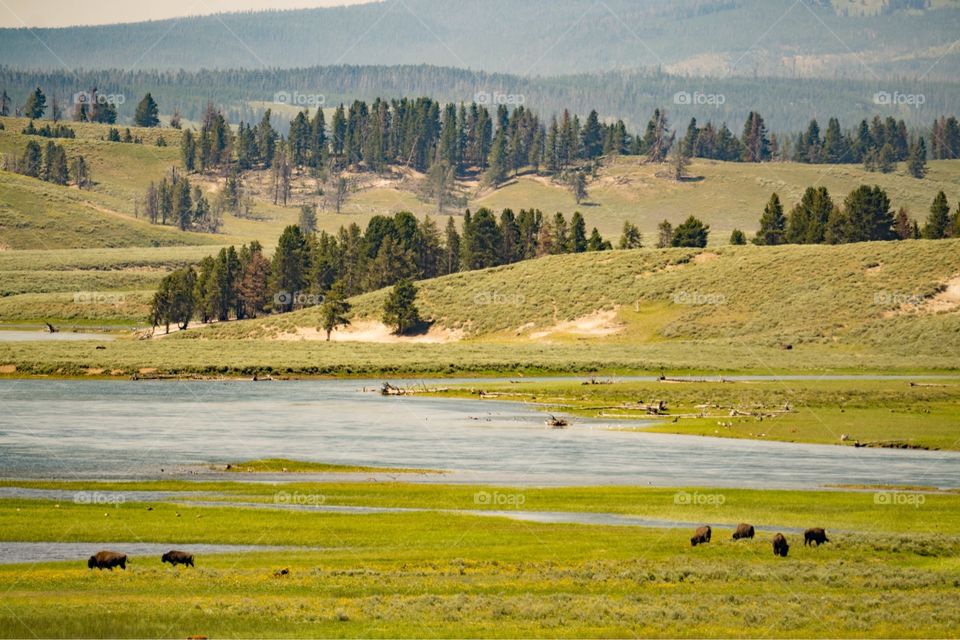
(334, 310)
(737, 237)
(182, 204)
(772, 224)
(664, 234)
(808, 220)
(592, 137)
(32, 161)
(903, 226)
(188, 151)
(289, 269)
(868, 216)
(938, 222)
(400, 309)
(578, 234)
(36, 105)
(691, 233)
(147, 113)
(496, 174)
(631, 238)
(917, 162)
(578, 186)
(597, 243)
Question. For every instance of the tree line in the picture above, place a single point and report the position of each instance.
(50, 164)
(865, 216)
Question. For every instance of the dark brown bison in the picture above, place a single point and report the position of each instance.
(701, 536)
(107, 560)
(743, 531)
(780, 546)
(815, 536)
(177, 557)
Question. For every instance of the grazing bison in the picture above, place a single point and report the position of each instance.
(107, 560)
(701, 536)
(780, 546)
(743, 531)
(815, 536)
(177, 557)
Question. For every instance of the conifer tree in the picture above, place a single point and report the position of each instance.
(147, 113)
(772, 224)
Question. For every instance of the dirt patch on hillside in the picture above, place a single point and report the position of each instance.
(946, 300)
(598, 324)
(8, 368)
(373, 331)
(706, 256)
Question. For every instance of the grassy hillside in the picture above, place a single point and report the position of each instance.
(885, 295)
(86, 286)
(726, 195)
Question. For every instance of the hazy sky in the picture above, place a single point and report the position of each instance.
(61, 13)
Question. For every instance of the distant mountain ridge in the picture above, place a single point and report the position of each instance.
(786, 104)
(790, 38)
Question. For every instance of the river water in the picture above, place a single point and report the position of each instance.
(147, 429)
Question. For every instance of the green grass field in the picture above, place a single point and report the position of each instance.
(431, 573)
(882, 413)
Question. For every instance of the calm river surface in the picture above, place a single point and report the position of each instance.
(112, 429)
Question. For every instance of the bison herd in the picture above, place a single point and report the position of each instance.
(111, 559)
(815, 536)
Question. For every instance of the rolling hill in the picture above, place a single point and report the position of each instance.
(894, 297)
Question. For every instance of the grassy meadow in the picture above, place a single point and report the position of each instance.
(880, 413)
(440, 573)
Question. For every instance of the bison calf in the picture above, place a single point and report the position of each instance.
(780, 546)
(743, 531)
(177, 557)
(701, 536)
(107, 560)
(815, 536)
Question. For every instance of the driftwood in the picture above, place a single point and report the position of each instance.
(388, 389)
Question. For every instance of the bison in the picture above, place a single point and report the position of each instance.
(107, 560)
(815, 536)
(743, 531)
(177, 557)
(780, 546)
(701, 536)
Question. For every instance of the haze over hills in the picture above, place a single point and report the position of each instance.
(810, 38)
